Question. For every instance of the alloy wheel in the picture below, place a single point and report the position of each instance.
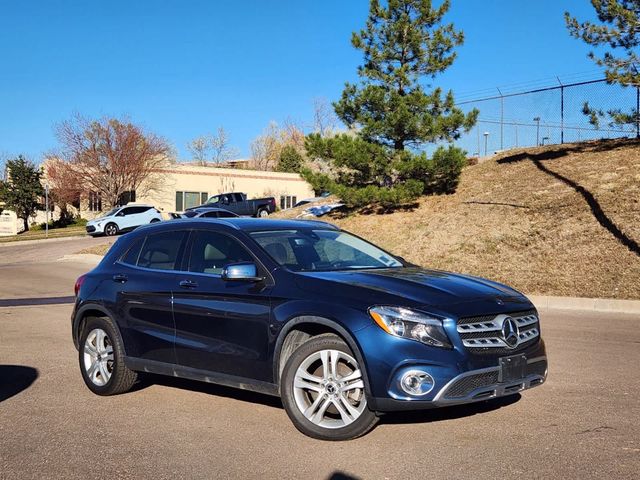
(98, 357)
(111, 229)
(329, 390)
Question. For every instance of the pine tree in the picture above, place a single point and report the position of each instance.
(404, 43)
(290, 160)
(390, 113)
(22, 190)
(619, 29)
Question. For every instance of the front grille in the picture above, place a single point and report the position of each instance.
(483, 334)
(91, 228)
(465, 385)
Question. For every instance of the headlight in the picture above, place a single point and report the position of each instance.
(405, 323)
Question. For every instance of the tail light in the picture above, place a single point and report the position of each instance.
(79, 283)
(273, 201)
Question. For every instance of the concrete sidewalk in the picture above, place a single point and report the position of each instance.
(603, 305)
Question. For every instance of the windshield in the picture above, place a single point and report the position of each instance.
(112, 212)
(322, 250)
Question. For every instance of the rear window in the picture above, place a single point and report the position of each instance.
(161, 251)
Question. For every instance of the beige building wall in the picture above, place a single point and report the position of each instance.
(209, 181)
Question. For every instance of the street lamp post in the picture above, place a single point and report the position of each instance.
(486, 138)
(537, 120)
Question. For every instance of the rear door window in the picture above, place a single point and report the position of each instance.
(131, 256)
(162, 251)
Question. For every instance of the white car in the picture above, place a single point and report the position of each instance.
(123, 219)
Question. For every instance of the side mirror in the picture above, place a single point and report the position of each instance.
(120, 214)
(247, 272)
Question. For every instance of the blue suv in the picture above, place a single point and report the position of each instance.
(338, 328)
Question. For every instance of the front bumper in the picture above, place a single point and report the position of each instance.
(93, 229)
(471, 386)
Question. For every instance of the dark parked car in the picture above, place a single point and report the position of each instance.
(238, 204)
(338, 328)
(205, 212)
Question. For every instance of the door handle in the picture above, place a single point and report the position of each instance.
(120, 278)
(188, 284)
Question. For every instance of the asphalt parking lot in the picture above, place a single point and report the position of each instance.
(583, 423)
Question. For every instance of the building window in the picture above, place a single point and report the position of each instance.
(287, 201)
(126, 197)
(95, 202)
(186, 200)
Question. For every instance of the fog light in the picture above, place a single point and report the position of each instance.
(417, 382)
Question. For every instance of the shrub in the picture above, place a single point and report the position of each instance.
(446, 167)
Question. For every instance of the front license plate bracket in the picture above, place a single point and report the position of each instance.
(512, 368)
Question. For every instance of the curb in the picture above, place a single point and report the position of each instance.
(41, 240)
(604, 305)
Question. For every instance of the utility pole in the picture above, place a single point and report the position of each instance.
(486, 138)
(46, 210)
(638, 111)
(537, 120)
(501, 119)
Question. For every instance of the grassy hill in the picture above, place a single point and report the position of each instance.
(554, 220)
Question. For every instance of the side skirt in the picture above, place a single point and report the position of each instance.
(173, 370)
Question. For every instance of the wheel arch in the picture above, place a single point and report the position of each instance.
(299, 329)
(87, 311)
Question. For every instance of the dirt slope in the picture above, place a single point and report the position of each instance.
(556, 220)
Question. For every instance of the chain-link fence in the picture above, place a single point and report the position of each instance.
(551, 115)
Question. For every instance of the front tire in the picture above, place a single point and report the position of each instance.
(322, 390)
(110, 229)
(101, 357)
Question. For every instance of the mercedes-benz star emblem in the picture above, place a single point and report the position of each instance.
(510, 332)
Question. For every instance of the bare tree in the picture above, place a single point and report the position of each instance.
(222, 151)
(199, 148)
(214, 148)
(112, 156)
(266, 148)
(65, 187)
(324, 118)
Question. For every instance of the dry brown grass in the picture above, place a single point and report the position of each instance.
(98, 249)
(512, 220)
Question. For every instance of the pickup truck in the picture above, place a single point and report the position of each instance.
(238, 204)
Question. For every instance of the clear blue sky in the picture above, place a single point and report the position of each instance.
(182, 68)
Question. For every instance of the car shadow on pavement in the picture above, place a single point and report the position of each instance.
(449, 413)
(149, 379)
(14, 379)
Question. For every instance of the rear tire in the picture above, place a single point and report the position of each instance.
(111, 229)
(262, 213)
(101, 358)
(322, 391)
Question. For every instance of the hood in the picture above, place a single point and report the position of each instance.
(96, 220)
(419, 286)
